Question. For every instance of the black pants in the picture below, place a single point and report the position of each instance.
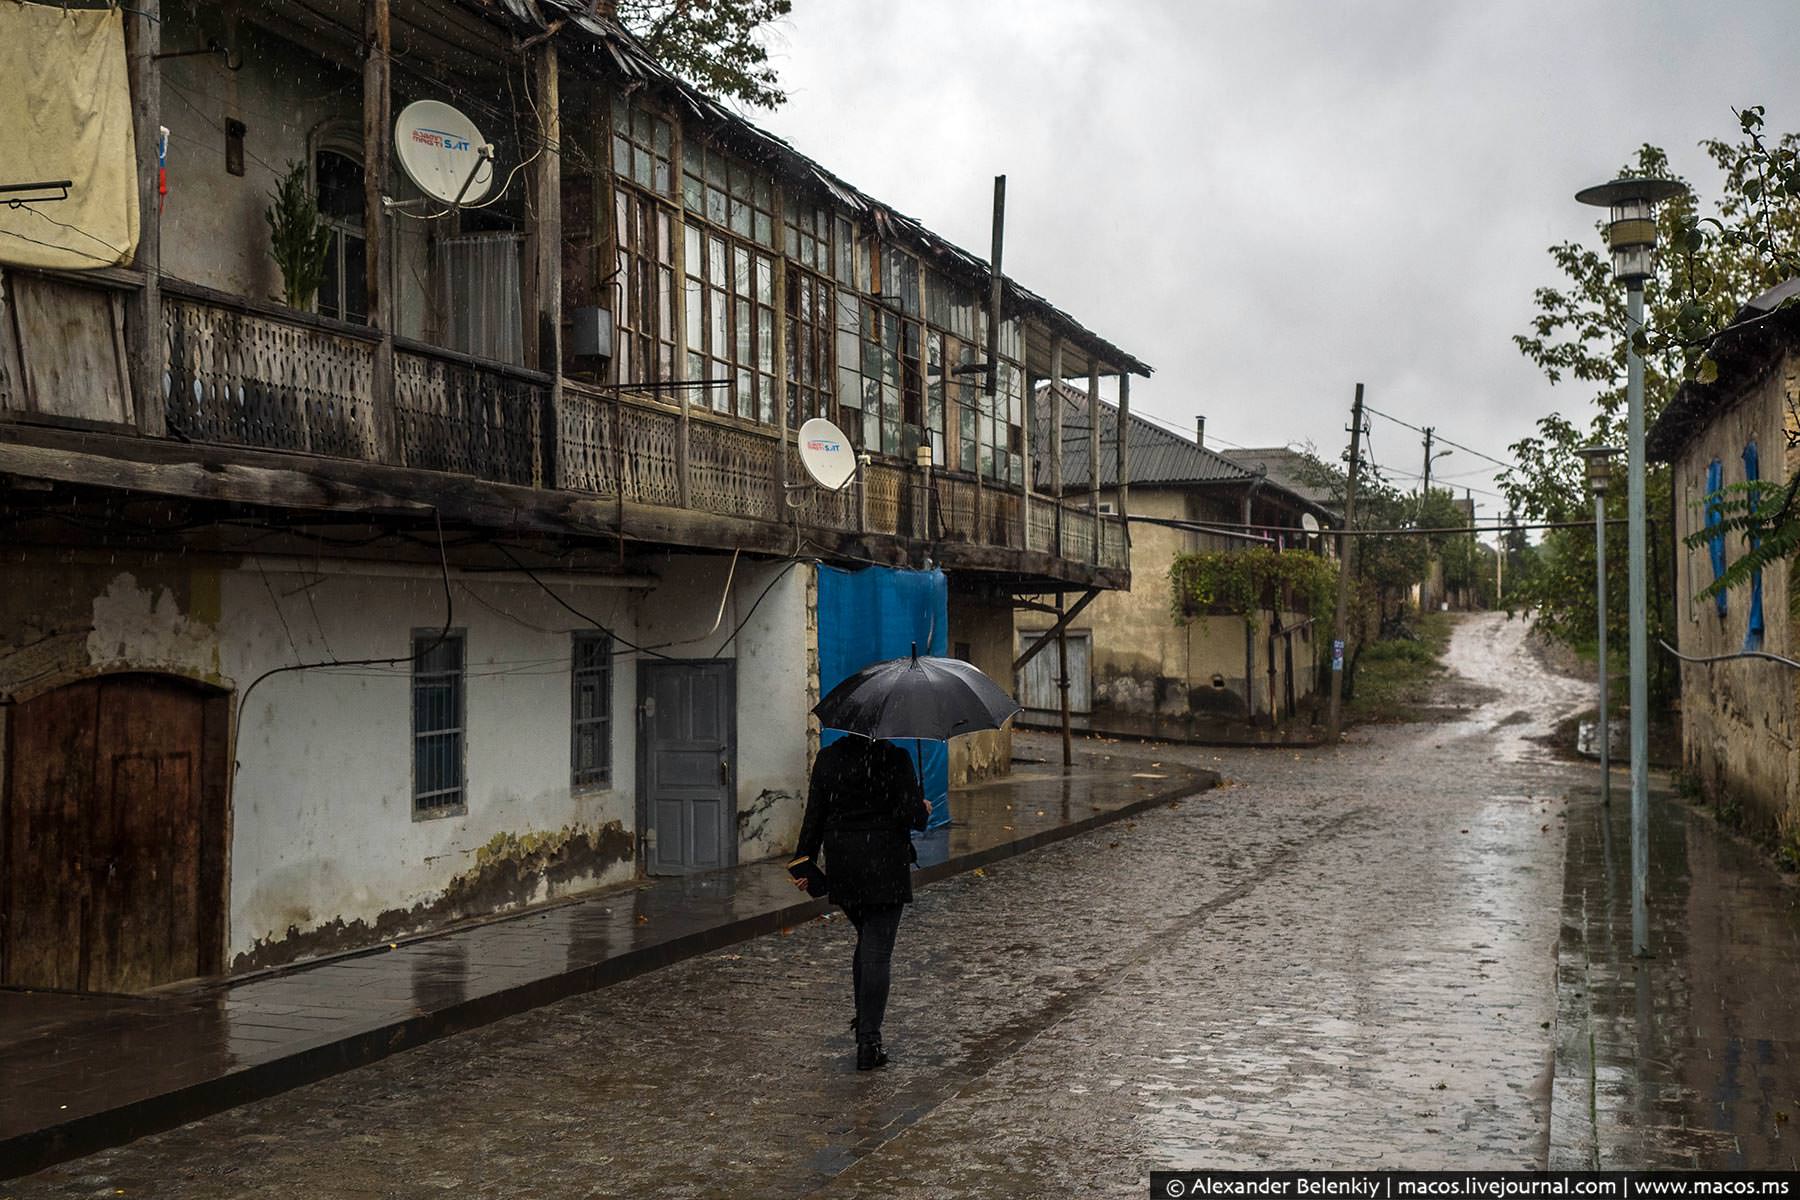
(870, 968)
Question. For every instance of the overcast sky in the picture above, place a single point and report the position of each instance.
(1269, 201)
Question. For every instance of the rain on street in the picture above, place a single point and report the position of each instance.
(1340, 958)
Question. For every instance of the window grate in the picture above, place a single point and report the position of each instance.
(590, 724)
(437, 701)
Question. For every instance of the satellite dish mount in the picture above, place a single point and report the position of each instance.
(828, 458)
(443, 153)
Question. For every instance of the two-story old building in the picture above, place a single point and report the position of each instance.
(467, 561)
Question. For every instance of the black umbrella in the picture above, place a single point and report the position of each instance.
(930, 698)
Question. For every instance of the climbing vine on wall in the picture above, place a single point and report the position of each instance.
(1243, 581)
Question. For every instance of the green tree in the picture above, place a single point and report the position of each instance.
(1706, 266)
(716, 45)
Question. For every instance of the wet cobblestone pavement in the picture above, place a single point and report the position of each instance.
(1346, 959)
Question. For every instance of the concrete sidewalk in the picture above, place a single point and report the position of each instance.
(83, 1072)
(1690, 1058)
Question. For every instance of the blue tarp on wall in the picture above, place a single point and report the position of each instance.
(879, 613)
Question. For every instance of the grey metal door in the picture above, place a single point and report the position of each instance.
(689, 776)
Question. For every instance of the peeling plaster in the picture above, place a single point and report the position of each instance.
(144, 628)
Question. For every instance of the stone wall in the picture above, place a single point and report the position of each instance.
(1740, 738)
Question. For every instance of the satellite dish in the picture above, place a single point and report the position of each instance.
(1309, 523)
(827, 454)
(443, 153)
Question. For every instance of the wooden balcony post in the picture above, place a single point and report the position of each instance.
(684, 396)
(143, 32)
(541, 276)
(1056, 438)
(377, 134)
(782, 350)
(1124, 456)
(1030, 402)
(1093, 399)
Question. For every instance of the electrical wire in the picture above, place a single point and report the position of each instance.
(442, 637)
(1446, 441)
(1713, 658)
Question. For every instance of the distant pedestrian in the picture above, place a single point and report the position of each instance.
(864, 800)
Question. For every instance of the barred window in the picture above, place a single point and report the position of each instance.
(590, 723)
(437, 704)
(809, 347)
(731, 323)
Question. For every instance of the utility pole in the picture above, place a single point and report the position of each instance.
(1425, 488)
(1346, 551)
(1062, 681)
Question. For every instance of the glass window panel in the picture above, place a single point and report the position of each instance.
(765, 338)
(691, 247)
(849, 388)
(621, 156)
(719, 332)
(739, 182)
(715, 206)
(715, 261)
(765, 279)
(746, 398)
(660, 176)
(661, 140)
(665, 303)
(791, 242)
(765, 228)
(740, 270)
(740, 218)
(693, 156)
(742, 352)
(715, 168)
(640, 165)
(696, 335)
(721, 396)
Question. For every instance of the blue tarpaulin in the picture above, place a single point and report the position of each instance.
(875, 614)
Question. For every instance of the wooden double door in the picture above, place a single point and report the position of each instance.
(112, 835)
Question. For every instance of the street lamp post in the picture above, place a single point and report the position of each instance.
(1631, 236)
(1599, 471)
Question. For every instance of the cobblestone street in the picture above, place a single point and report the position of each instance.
(1343, 958)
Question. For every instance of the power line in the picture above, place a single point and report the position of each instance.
(1418, 429)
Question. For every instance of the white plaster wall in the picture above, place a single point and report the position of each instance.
(323, 819)
(771, 666)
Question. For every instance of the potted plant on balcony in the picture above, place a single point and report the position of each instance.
(299, 239)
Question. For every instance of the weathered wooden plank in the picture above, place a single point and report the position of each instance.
(143, 34)
(71, 345)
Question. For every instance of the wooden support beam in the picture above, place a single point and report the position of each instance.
(1056, 438)
(1049, 635)
(143, 308)
(541, 276)
(1124, 456)
(1093, 399)
(377, 261)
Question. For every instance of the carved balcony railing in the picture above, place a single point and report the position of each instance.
(256, 375)
(253, 375)
(469, 416)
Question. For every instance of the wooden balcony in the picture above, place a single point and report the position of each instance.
(243, 376)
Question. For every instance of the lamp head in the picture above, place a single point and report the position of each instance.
(1631, 229)
(1599, 465)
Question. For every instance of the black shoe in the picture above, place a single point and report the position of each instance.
(869, 1055)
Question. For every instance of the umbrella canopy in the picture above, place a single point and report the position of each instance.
(930, 698)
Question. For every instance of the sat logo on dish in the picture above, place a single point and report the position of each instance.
(822, 444)
(439, 139)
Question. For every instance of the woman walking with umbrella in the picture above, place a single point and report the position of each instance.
(862, 807)
(865, 800)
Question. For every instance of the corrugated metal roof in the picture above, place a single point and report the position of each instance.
(1158, 455)
(1287, 467)
(1751, 344)
(628, 58)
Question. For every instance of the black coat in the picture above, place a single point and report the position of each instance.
(864, 800)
